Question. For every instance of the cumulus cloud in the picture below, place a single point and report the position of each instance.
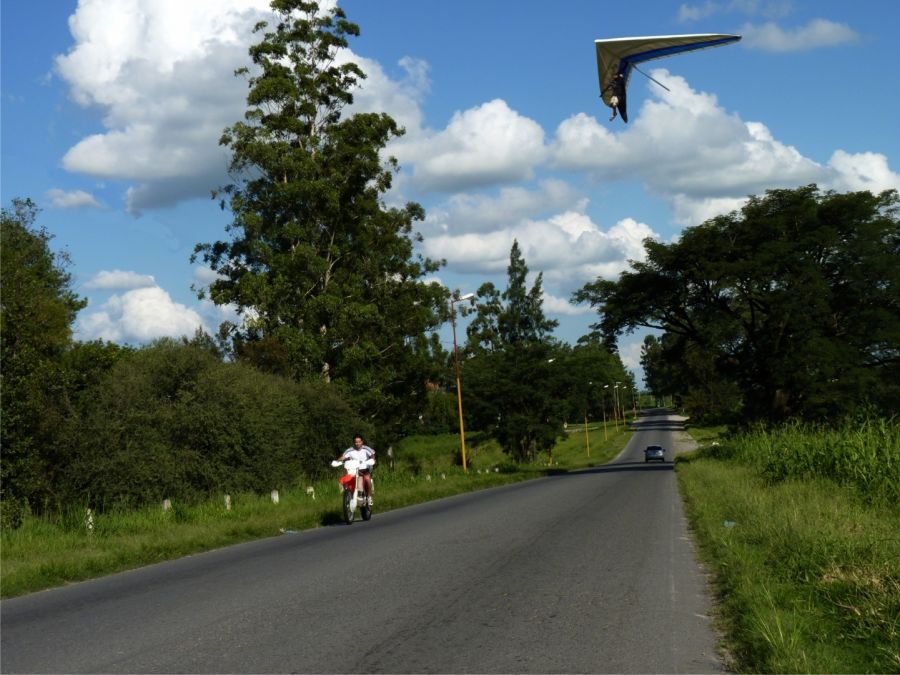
(697, 12)
(74, 199)
(860, 171)
(467, 212)
(770, 8)
(161, 70)
(119, 280)
(557, 306)
(684, 147)
(204, 276)
(568, 247)
(630, 353)
(486, 145)
(818, 33)
(401, 99)
(139, 316)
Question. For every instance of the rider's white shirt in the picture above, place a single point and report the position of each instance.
(361, 455)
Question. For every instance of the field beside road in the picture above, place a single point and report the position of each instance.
(799, 528)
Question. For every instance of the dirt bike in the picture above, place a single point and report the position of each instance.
(353, 488)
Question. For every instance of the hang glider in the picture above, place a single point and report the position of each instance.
(616, 57)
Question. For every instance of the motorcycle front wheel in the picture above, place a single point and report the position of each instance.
(348, 510)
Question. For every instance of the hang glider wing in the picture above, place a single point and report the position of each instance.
(620, 55)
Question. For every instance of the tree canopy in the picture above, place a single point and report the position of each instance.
(514, 316)
(794, 301)
(521, 384)
(321, 270)
(37, 309)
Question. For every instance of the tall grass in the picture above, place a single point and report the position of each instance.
(43, 553)
(804, 550)
(865, 456)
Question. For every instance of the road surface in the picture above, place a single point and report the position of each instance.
(590, 571)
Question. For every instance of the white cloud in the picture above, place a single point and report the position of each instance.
(861, 171)
(139, 316)
(74, 199)
(693, 210)
(684, 147)
(486, 145)
(161, 70)
(162, 73)
(696, 12)
(466, 212)
(401, 99)
(119, 280)
(204, 276)
(557, 306)
(630, 353)
(567, 247)
(817, 34)
(771, 8)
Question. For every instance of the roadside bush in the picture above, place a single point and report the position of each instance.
(174, 421)
(440, 415)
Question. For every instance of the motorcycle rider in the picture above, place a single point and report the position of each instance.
(361, 452)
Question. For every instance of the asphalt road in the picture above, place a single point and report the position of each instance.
(590, 571)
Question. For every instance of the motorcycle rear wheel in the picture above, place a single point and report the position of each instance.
(366, 512)
(348, 510)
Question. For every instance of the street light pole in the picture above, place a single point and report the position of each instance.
(462, 431)
(605, 387)
(616, 394)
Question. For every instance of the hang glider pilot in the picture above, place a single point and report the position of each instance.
(616, 88)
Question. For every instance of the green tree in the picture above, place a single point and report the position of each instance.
(37, 309)
(322, 271)
(513, 316)
(172, 420)
(657, 370)
(794, 301)
(512, 386)
(516, 395)
(593, 371)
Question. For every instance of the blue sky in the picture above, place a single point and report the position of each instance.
(112, 110)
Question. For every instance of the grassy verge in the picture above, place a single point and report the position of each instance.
(808, 568)
(43, 554)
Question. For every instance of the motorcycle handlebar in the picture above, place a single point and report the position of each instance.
(369, 462)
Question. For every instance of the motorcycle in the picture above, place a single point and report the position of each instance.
(353, 489)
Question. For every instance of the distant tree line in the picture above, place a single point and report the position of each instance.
(108, 426)
(786, 309)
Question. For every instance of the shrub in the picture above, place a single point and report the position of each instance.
(174, 421)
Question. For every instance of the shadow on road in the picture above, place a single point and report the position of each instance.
(658, 419)
(615, 468)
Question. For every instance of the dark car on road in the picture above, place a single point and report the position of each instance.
(654, 453)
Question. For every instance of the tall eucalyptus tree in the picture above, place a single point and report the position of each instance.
(323, 273)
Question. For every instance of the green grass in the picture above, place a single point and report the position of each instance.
(43, 553)
(865, 456)
(806, 560)
(807, 567)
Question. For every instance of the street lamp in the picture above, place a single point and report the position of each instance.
(462, 431)
(618, 410)
(612, 400)
(603, 405)
(587, 436)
